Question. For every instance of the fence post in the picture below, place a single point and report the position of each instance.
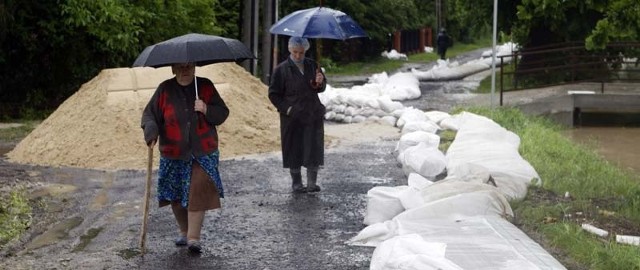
(397, 41)
(501, 78)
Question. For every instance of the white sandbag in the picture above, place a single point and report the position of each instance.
(411, 198)
(408, 252)
(436, 116)
(388, 105)
(450, 123)
(482, 142)
(389, 120)
(411, 114)
(329, 115)
(469, 172)
(479, 243)
(402, 86)
(417, 181)
(374, 118)
(423, 160)
(380, 78)
(460, 206)
(358, 119)
(413, 139)
(427, 126)
(446, 188)
(383, 204)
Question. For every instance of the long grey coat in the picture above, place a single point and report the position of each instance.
(302, 130)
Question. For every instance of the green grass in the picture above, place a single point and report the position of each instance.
(17, 133)
(565, 166)
(381, 64)
(15, 215)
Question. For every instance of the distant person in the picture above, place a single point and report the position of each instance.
(443, 42)
(295, 84)
(188, 177)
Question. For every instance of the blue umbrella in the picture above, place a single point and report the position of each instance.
(318, 22)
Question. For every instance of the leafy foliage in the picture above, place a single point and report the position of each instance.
(50, 47)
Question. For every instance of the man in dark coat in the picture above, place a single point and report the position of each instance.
(295, 84)
(443, 42)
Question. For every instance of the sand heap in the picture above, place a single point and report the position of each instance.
(99, 126)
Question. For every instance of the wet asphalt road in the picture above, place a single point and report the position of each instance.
(260, 226)
(264, 226)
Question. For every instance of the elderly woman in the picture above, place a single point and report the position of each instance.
(188, 177)
(294, 88)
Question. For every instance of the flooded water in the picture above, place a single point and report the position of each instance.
(619, 145)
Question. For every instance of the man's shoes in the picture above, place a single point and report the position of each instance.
(194, 246)
(181, 241)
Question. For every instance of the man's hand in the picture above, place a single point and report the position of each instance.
(319, 79)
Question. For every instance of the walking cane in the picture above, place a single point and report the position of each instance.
(147, 194)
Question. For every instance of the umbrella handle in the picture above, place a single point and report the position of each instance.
(196, 82)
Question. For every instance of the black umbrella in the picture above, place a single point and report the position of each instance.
(193, 48)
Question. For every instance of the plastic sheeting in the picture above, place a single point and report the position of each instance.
(476, 242)
(459, 222)
(409, 252)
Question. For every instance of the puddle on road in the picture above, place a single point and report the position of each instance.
(86, 239)
(56, 233)
(102, 198)
(54, 190)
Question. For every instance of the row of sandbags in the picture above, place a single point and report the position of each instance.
(461, 221)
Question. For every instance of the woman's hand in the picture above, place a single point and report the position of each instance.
(152, 143)
(200, 106)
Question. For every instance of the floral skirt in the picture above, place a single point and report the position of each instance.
(174, 178)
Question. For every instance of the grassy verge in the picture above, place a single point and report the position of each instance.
(15, 210)
(381, 64)
(15, 215)
(600, 194)
(17, 133)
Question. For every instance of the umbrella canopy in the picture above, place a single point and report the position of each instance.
(318, 22)
(193, 48)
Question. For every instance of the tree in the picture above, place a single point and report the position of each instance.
(49, 48)
(621, 22)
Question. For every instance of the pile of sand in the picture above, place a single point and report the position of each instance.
(99, 126)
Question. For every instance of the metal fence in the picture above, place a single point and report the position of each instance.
(569, 63)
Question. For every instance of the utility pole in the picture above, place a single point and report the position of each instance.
(250, 32)
(438, 15)
(267, 45)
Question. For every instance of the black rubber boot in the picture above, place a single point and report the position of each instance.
(296, 184)
(312, 178)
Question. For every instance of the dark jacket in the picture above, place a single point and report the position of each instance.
(444, 41)
(290, 88)
(182, 131)
(302, 130)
